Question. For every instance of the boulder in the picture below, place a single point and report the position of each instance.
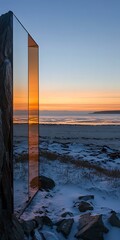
(65, 226)
(17, 232)
(28, 226)
(114, 220)
(44, 183)
(39, 222)
(104, 149)
(114, 155)
(91, 227)
(37, 236)
(65, 214)
(47, 235)
(84, 206)
(86, 197)
(47, 221)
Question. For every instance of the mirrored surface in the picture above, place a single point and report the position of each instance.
(20, 114)
(25, 116)
(33, 115)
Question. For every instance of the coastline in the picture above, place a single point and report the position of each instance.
(107, 112)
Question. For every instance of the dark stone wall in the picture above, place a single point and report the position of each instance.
(6, 63)
(9, 226)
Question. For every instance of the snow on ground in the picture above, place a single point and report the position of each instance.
(72, 182)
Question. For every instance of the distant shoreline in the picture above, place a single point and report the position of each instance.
(107, 112)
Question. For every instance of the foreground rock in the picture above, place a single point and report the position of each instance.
(65, 226)
(114, 220)
(47, 221)
(44, 183)
(86, 197)
(114, 155)
(66, 214)
(91, 227)
(47, 235)
(84, 206)
(28, 226)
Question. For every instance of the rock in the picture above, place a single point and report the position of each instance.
(43, 182)
(28, 226)
(17, 230)
(114, 220)
(39, 212)
(65, 214)
(9, 226)
(46, 235)
(58, 223)
(84, 206)
(65, 226)
(84, 220)
(91, 227)
(114, 155)
(32, 234)
(1, 144)
(47, 221)
(34, 238)
(104, 149)
(39, 222)
(86, 197)
(38, 236)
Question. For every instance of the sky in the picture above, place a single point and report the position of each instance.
(79, 51)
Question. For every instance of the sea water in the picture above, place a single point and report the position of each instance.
(69, 117)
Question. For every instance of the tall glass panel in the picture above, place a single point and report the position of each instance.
(20, 114)
(33, 115)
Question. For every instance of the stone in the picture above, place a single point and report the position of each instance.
(47, 235)
(17, 232)
(86, 197)
(28, 226)
(114, 220)
(39, 222)
(104, 149)
(44, 183)
(1, 143)
(65, 214)
(65, 226)
(10, 227)
(91, 227)
(12, 230)
(38, 235)
(47, 221)
(84, 220)
(84, 206)
(114, 155)
(34, 238)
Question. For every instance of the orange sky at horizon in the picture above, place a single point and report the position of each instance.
(69, 102)
(78, 107)
(80, 100)
(62, 100)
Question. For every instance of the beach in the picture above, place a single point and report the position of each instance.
(81, 160)
(98, 134)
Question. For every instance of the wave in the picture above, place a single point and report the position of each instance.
(71, 118)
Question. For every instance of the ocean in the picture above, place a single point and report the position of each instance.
(68, 117)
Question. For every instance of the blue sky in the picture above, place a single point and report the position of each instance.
(79, 48)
